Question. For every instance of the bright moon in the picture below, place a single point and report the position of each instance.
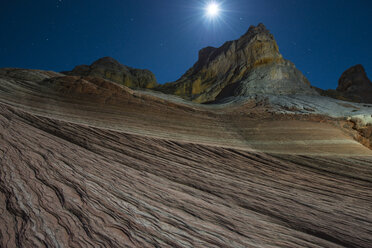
(213, 9)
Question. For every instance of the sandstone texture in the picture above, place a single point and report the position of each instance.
(69, 185)
(78, 170)
(110, 69)
(277, 126)
(247, 66)
(28, 75)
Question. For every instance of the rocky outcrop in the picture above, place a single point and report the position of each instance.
(250, 65)
(353, 86)
(110, 69)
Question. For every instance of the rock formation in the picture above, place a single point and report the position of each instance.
(247, 66)
(110, 69)
(353, 86)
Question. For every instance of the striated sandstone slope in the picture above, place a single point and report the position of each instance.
(69, 185)
(251, 125)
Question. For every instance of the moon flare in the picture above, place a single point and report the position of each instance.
(212, 9)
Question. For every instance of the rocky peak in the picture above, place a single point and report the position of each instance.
(355, 85)
(110, 69)
(259, 30)
(239, 47)
(354, 79)
(232, 63)
(108, 62)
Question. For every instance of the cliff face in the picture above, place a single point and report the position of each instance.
(250, 65)
(110, 69)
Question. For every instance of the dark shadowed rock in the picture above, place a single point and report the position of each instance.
(250, 65)
(355, 85)
(110, 69)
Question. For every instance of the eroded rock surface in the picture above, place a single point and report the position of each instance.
(284, 125)
(69, 185)
(27, 74)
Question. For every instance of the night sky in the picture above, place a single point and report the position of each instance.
(322, 37)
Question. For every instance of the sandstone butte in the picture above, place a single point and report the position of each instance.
(353, 85)
(239, 67)
(86, 161)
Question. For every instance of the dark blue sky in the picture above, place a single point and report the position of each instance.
(322, 37)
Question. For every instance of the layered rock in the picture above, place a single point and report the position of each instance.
(110, 69)
(88, 88)
(27, 74)
(250, 65)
